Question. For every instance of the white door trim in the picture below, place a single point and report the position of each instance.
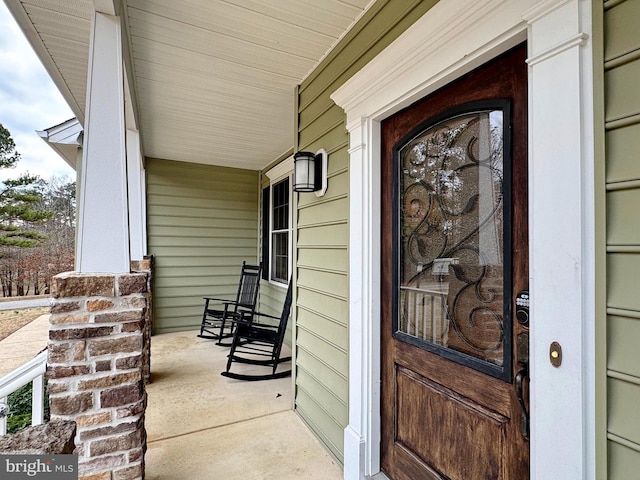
(562, 238)
(453, 38)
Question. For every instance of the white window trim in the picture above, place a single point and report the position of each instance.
(451, 39)
(276, 174)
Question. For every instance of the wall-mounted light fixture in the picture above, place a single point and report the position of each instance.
(310, 172)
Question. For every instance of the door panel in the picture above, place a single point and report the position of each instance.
(465, 420)
(454, 251)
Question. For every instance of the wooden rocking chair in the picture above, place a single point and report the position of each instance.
(219, 314)
(260, 344)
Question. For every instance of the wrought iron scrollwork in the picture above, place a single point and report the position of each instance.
(451, 199)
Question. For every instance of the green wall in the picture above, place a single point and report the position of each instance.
(202, 222)
(622, 171)
(322, 240)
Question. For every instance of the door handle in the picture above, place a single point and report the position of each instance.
(521, 376)
(522, 356)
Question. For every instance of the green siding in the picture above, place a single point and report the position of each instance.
(624, 354)
(622, 280)
(621, 206)
(322, 234)
(622, 162)
(202, 223)
(621, 91)
(623, 462)
(623, 145)
(624, 417)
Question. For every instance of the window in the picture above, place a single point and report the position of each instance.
(276, 224)
(280, 232)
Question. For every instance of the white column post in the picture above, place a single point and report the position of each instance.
(561, 239)
(362, 434)
(136, 187)
(103, 224)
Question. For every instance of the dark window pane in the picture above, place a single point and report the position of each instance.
(281, 205)
(280, 231)
(280, 264)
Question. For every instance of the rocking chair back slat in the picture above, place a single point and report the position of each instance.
(248, 288)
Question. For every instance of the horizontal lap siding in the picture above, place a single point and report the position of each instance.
(322, 340)
(622, 157)
(202, 223)
(322, 240)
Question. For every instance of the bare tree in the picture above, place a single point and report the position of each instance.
(28, 269)
(56, 253)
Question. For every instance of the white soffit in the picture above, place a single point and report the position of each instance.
(214, 79)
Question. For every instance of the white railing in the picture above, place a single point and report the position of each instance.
(32, 371)
(423, 314)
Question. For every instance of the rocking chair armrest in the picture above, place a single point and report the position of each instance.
(266, 315)
(267, 326)
(244, 317)
(221, 300)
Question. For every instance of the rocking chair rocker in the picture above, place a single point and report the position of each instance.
(218, 323)
(260, 344)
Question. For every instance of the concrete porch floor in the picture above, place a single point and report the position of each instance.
(201, 425)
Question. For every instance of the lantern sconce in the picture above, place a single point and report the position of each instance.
(310, 172)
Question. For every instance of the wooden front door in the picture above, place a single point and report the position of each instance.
(454, 280)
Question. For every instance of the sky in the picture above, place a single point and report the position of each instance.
(29, 101)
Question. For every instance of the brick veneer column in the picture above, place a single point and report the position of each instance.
(95, 369)
(146, 266)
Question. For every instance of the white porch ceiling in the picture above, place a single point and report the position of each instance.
(214, 79)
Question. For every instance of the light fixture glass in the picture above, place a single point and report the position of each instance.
(304, 172)
(310, 172)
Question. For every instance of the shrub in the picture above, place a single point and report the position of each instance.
(20, 408)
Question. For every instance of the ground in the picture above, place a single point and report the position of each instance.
(12, 320)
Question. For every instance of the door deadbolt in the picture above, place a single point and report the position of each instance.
(555, 354)
(522, 308)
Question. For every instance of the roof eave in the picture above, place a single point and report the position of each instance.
(34, 39)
